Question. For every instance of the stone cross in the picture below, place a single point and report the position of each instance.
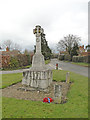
(39, 76)
(38, 31)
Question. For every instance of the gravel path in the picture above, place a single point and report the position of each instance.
(12, 91)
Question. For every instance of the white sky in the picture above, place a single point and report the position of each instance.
(59, 18)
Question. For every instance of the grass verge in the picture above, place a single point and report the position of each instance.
(76, 107)
(47, 61)
(81, 64)
(10, 79)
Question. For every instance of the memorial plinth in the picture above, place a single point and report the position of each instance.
(38, 76)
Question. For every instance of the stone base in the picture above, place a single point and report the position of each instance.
(38, 61)
(57, 100)
(28, 88)
(37, 79)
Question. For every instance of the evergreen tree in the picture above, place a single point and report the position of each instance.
(88, 48)
(74, 51)
(46, 51)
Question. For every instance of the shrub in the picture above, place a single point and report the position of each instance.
(80, 58)
(85, 59)
(13, 63)
(61, 57)
(67, 57)
(5, 61)
(22, 60)
(29, 59)
(75, 59)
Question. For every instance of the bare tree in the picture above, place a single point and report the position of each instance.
(11, 45)
(8, 43)
(68, 42)
(16, 47)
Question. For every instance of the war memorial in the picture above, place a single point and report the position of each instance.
(39, 76)
(38, 82)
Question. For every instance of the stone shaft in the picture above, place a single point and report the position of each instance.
(38, 59)
(38, 31)
(38, 45)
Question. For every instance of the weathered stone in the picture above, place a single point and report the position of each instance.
(57, 94)
(41, 79)
(39, 76)
(67, 77)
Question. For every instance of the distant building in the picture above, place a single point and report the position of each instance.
(63, 53)
(83, 52)
(81, 49)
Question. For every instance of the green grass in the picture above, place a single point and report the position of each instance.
(76, 107)
(81, 64)
(9, 79)
(47, 61)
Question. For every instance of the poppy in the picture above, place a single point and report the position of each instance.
(47, 99)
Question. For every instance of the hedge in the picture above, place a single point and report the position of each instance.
(5, 61)
(85, 59)
(11, 62)
(65, 57)
(61, 57)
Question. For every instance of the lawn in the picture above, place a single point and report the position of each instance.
(76, 107)
(47, 61)
(9, 79)
(81, 64)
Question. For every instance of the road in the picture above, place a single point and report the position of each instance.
(71, 67)
(13, 71)
(62, 65)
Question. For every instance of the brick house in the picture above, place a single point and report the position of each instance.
(63, 53)
(81, 49)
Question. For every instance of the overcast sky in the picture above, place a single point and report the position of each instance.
(58, 18)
